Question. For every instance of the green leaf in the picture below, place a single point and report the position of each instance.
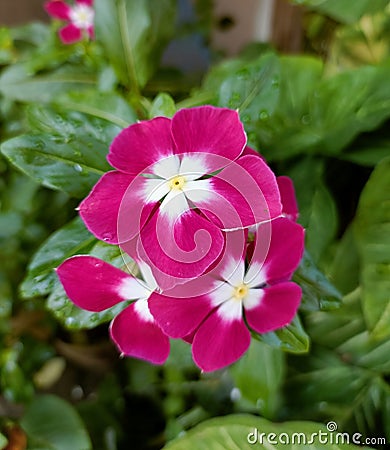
(259, 375)
(251, 86)
(291, 338)
(52, 423)
(69, 154)
(133, 34)
(72, 239)
(17, 83)
(372, 231)
(344, 271)
(322, 225)
(163, 105)
(242, 432)
(318, 293)
(104, 105)
(288, 130)
(343, 10)
(362, 351)
(331, 329)
(313, 114)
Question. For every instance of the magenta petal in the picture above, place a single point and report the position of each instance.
(58, 9)
(219, 342)
(70, 34)
(85, 2)
(287, 194)
(142, 144)
(115, 210)
(276, 309)
(139, 337)
(179, 317)
(242, 194)
(265, 200)
(180, 250)
(252, 152)
(207, 129)
(91, 283)
(279, 250)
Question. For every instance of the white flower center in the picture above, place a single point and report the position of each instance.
(81, 16)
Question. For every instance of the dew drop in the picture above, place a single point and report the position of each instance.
(70, 321)
(78, 168)
(263, 115)
(305, 119)
(275, 82)
(107, 237)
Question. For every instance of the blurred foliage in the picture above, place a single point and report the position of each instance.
(321, 118)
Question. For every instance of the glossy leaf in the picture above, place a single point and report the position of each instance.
(318, 293)
(68, 154)
(133, 33)
(244, 432)
(52, 423)
(372, 231)
(292, 338)
(72, 239)
(314, 116)
(163, 105)
(322, 225)
(17, 83)
(108, 106)
(251, 86)
(343, 10)
(259, 375)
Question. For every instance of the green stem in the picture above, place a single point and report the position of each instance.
(129, 57)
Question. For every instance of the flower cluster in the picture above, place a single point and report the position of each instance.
(211, 229)
(80, 17)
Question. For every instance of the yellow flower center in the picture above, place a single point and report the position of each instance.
(177, 183)
(241, 291)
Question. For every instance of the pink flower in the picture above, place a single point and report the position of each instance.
(95, 285)
(80, 16)
(260, 298)
(179, 184)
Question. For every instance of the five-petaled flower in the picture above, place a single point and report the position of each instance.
(260, 297)
(95, 285)
(179, 184)
(80, 17)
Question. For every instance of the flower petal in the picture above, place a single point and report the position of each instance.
(70, 34)
(137, 336)
(86, 2)
(193, 166)
(216, 132)
(287, 195)
(219, 342)
(179, 317)
(117, 207)
(58, 9)
(139, 146)
(95, 285)
(242, 194)
(277, 254)
(180, 250)
(276, 307)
